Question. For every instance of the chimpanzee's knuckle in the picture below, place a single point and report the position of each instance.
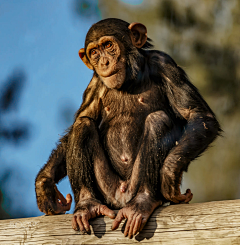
(84, 215)
(130, 217)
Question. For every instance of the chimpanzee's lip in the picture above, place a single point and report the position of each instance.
(115, 71)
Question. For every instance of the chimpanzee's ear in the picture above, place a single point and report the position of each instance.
(139, 34)
(83, 57)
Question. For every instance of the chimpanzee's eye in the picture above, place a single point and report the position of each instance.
(108, 45)
(93, 51)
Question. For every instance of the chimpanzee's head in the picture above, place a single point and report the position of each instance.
(109, 45)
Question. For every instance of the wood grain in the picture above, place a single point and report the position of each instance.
(200, 223)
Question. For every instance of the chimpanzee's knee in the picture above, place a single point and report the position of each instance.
(160, 135)
(84, 130)
(157, 121)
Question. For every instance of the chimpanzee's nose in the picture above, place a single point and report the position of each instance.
(104, 61)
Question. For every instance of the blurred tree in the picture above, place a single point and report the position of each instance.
(9, 98)
(203, 37)
(66, 111)
(3, 214)
(12, 131)
(86, 8)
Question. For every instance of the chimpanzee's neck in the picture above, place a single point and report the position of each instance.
(136, 75)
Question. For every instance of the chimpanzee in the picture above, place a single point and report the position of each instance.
(140, 124)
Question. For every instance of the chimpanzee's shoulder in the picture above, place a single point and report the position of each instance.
(160, 57)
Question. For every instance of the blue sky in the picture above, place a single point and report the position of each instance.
(42, 38)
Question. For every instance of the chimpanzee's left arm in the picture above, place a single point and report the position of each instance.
(200, 130)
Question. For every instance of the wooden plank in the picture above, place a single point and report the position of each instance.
(200, 223)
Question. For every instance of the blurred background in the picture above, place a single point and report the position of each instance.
(42, 81)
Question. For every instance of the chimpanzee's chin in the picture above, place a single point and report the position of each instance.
(113, 81)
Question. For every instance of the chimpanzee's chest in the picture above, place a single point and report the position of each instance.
(118, 105)
(123, 120)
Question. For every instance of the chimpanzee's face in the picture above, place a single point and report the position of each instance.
(107, 57)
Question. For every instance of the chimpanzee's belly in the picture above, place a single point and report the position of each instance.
(122, 141)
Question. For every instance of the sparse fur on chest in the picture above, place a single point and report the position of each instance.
(119, 103)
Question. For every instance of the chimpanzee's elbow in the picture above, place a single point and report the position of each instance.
(211, 128)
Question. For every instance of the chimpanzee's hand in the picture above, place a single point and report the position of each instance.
(137, 213)
(86, 210)
(49, 199)
(170, 187)
(183, 198)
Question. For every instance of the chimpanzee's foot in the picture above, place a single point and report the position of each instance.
(86, 210)
(137, 213)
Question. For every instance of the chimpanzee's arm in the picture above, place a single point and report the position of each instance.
(52, 172)
(55, 169)
(200, 130)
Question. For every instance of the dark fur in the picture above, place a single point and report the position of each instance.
(173, 126)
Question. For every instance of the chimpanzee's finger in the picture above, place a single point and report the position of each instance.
(80, 224)
(118, 220)
(189, 196)
(127, 227)
(74, 223)
(60, 196)
(137, 225)
(144, 221)
(85, 218)
(64, 206)
(68, 203)
(180, 198)
(104, 210)
(132, 225)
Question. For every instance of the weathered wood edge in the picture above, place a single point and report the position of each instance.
(198, 223)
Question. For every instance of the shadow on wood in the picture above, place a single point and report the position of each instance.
(199, 223)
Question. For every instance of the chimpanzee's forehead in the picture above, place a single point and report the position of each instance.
(107, 27)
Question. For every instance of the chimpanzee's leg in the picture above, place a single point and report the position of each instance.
(158, 139)
(87, 168)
